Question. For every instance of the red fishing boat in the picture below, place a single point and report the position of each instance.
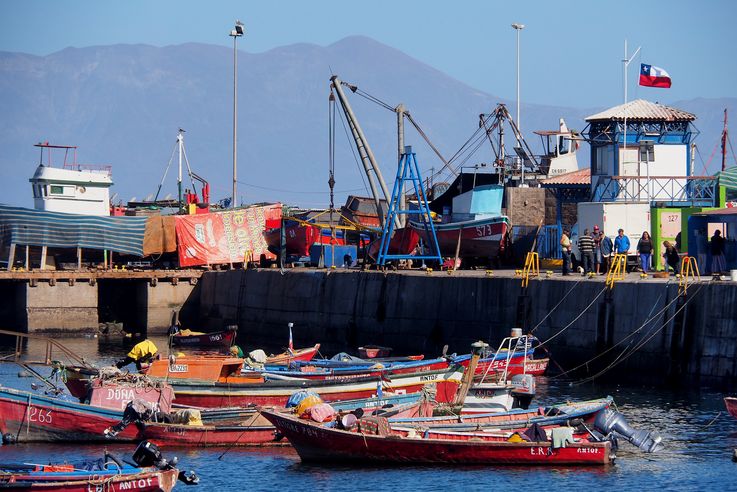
(289, 356)
(731, 403)
(245, 390)
(472, 225)
(300, 236)
(27, 417)
(194, 339)
(65, 478)
(478, 238)
(150, 472)
(373, 440)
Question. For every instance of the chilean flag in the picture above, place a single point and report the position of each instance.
(651, 76)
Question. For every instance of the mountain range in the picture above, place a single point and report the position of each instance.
(123, 104)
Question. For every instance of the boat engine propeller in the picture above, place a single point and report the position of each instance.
(148, 454)
(612, 424)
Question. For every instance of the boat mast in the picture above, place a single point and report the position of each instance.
(725, 133)
(364, 150)
(180, 145)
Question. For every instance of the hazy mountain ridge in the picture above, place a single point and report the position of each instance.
(123, 104)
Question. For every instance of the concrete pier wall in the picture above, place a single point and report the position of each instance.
(416, 312)
(66, 306)
(77, 301)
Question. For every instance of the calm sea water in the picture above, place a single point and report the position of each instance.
(699, 437)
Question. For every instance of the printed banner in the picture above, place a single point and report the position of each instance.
(225, 237)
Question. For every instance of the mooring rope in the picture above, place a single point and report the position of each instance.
(621, 357)
(574, 319)
(556, 306)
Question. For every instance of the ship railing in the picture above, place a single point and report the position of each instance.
(95, 168)
(697, 191)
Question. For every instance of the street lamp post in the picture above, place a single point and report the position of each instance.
(518, 27)
(237, 32)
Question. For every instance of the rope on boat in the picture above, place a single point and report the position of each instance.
(624, 355)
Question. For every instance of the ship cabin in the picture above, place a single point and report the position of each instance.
(82, 189)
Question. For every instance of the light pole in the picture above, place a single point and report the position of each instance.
(237, 32)
(518, 27)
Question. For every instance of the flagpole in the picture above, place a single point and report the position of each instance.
(626, 63)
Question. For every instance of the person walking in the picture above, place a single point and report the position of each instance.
(606, 246)
(718, 264)
(645, 250)
(671, 258)
(565, 247)
(586, 247)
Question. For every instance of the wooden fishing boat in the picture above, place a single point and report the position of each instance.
(150, 471)
(27, 417)
(192, 339)
(242, 391)
(731, 403)
(345, 372)
(66, 478)
(558, 414)
(321, 443)
(289, 356)
(481, 238)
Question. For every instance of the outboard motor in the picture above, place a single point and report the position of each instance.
(610, 422)
(524, 390)
(148, 454)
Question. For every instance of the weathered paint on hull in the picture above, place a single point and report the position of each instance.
(153, 481)
(320, 444)
(209, 395)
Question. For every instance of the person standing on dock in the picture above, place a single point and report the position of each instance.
(606, 246)
(565, 247)
(718, 265)
(645, 250)
(621, 243)
(596, 236)
(586, 247)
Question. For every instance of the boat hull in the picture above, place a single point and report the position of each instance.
(47, 419)
(147, 481)
(316, 443)
(276, 393)
(303, 355)
(223, 339)
(483, 238)
(731, 403)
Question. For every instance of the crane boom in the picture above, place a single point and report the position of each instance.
(364, 150)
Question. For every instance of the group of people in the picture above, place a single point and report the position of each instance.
(596, 250)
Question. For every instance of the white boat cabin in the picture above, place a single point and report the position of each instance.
(72, 188)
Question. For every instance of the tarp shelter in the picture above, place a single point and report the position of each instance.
(26, 226)
(701, 228)
(160, 236)
(225, 237)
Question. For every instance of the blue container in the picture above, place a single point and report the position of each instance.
(325, 255)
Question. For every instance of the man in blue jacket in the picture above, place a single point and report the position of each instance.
(621, 243)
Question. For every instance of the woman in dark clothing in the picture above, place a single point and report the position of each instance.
(645, 250)
(671, 257)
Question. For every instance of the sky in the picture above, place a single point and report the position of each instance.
(562, 44)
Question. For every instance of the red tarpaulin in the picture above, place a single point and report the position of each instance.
(225, 237)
